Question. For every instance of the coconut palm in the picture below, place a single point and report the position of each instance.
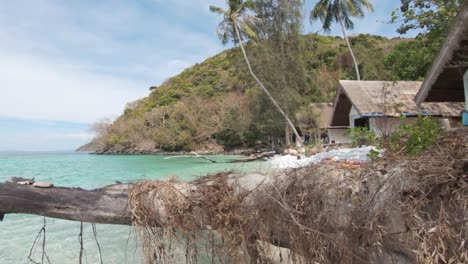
(236, 27)
(341, 11)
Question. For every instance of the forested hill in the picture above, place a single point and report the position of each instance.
(215, 105)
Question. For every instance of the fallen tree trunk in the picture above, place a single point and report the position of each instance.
(197, 156)
(256, 157)
(108, 205)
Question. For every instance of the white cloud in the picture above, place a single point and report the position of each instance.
(35, 89)
(78, 62)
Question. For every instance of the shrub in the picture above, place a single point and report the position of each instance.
(117, 140)
(373, 154)
(362, 136)
(415, 138)
(229, 138)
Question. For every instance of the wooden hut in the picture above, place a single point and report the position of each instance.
(377, 105)
(447, 78)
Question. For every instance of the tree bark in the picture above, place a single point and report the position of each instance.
(106, 205)
(293, 128)
(110, 204)
(255, 157)
(356, 67)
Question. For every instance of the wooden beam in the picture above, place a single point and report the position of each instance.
(465, 84)
(457, 66)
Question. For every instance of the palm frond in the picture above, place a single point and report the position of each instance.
(235, 17)
(319, 10)
(351, 7)
(348, 23)
(368, 5)
(217, 10)
(248, 31)
(329, 11)
(328, 19)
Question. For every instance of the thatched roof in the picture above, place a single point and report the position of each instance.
(323, 112)
(368, 99)
(444, 80)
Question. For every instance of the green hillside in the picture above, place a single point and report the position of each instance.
(216, 106)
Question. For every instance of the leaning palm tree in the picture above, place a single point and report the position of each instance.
(236, 27)
(341, 11)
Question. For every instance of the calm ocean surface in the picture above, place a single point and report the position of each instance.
(118, 243)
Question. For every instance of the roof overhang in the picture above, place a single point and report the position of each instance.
(341, 108)
(444, 80)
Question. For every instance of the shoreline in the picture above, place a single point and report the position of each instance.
(240, 152)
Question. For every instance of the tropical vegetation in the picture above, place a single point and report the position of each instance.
(217, 105)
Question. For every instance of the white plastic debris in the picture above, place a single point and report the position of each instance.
(349, 154)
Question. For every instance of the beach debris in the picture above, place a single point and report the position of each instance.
(43, 185)
(25, 182)
(260, 156)
(339, 155)
(197, 156)
(20, 180)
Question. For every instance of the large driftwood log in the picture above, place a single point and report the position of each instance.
(195, 157)
(261, 156)
(108, 205)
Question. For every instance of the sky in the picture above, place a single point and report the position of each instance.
(67, 64)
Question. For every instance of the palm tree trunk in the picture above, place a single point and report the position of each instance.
(356, 67)
(298, 138)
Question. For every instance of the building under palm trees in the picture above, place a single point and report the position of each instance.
(443, 94)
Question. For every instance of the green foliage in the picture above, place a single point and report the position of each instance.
(409, 60)
(279, 61)
(234, 130)
(217, 102)
(340, 11)
(362, 136)
(127, 111)
(415, 138)
(237, 16)
(117, 140)
(432, 18)
(373, 154)
(170, 141)
(229, 138)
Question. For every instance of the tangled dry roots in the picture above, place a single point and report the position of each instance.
(396, 210)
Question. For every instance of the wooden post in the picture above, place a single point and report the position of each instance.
(465, 113)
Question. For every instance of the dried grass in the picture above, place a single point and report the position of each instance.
(396, 210)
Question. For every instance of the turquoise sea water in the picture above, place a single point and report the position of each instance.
(118, 243)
